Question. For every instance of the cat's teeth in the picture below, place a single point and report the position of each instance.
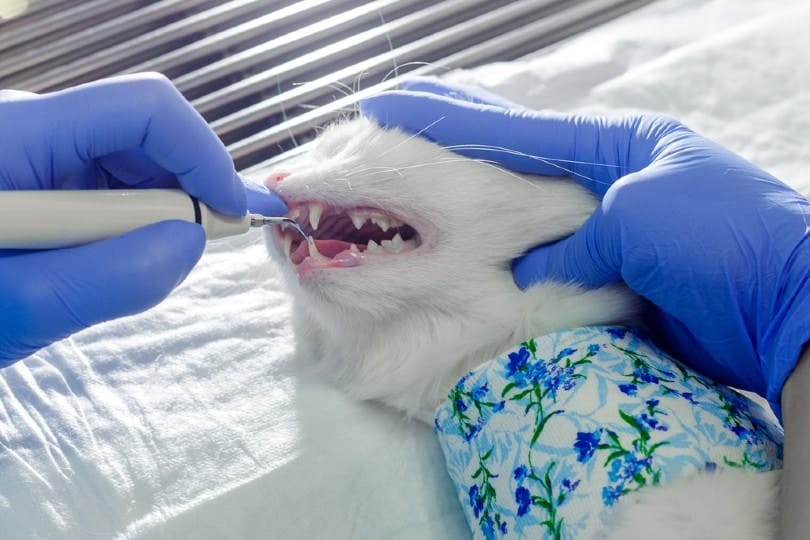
(313, 249)
(358, 219)
(373, 247)
(382, 222)
(387, 245)
(315, 212)
(353, 248)
(295, 213)
(287, 242)
(397, 242)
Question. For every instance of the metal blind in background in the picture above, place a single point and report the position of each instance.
(265, 73)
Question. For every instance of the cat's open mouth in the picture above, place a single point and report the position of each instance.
(344, 237)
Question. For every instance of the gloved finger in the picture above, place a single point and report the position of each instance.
(528, 141)
(590, 257)
(469, 93)
(261, 200)
(133, 168)
(48, 295)
(146, 111)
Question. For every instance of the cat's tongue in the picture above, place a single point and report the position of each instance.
(327, 248)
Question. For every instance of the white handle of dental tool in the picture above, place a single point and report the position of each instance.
(49, 219)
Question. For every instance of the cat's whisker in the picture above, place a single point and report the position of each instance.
(390, 48)
(284, 116)
(370, 171)
(414, 135)
(398, 170)
(341, 87)
(519, 153)
(500, 169)
(541, 159)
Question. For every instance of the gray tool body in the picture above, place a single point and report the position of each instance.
(63, 218)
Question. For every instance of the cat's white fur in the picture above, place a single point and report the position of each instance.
(402, 329)
(726, 505)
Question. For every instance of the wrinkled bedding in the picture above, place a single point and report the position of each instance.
(191, 420)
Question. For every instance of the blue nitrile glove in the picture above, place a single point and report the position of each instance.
(719, 246)
(134, 131)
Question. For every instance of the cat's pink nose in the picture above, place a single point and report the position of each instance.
(275, 178)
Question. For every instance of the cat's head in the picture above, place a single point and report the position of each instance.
(401, 224)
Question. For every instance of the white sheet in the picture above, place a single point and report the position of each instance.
(189, 421)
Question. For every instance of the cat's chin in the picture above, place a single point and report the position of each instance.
(409, 359)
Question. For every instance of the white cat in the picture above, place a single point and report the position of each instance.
(411, 287)
(401, 322)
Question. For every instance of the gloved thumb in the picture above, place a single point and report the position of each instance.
(590, 257)
(48, 295)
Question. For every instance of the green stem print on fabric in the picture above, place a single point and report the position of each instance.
(539, 381)
(629, 467)
(482, 499)
(462, 400)
(745, 463)
(545, 498)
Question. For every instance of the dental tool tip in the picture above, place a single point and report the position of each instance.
(257, 220)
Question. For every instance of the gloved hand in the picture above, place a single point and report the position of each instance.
(134, 131)
(719, 246)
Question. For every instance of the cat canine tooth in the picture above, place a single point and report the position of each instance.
(315, 212)
(295, 213)
(287, 242)
(358, 219)
(313, 249)
(382, 222)
(353, 248)
(373, 247)
(397, 242)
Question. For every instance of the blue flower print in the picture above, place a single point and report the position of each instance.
(629, 389)
(521, 473)
(586, 444)
(488, 528)
(627, 468)
(569, 486)
(524, 500)
(517, 362)
(480, 392)
(593, 348)
(645, 376)
(568, 351)
(460, 404)
(653, 422)
(610, 494)
(476, 502)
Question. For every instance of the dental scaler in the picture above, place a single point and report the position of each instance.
(64, 218)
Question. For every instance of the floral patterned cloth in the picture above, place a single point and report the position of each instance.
(543, 441)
